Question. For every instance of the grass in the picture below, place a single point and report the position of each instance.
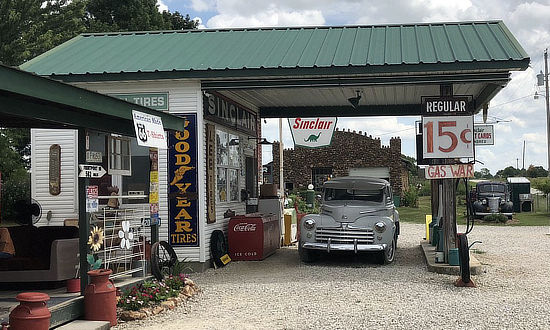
(418, 214)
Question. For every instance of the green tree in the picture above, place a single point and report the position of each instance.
(133, 15)
(542, 184)
(509, 171)
(536, 171)
(483, 173)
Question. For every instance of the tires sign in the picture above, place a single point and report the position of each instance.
(448, 137)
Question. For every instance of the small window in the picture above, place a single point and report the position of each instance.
(228, 157)
(120, 157)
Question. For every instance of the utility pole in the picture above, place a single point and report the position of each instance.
(546, 96)
(523, 165)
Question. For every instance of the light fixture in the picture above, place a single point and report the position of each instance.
(261, 140)
(355, 100)
(234, 142)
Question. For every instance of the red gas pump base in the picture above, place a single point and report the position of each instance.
(459, 283)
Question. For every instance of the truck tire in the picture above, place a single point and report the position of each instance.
(388, 256)
(464, 257)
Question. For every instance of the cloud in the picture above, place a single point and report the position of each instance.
(161, 6)
(269, 17)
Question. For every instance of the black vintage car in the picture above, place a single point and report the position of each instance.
(491, 197)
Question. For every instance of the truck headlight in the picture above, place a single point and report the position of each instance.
(380, 227)
(484, 202)
(309, 224)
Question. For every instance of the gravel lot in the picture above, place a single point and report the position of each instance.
(355, 293)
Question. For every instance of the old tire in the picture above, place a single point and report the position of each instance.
(388, 256)
(464, 257)
(218, 247)
(307, 255)
(163, 259)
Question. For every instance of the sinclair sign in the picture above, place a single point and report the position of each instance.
(312, 132)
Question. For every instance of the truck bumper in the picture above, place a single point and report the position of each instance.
(508, 214)
(328, 247)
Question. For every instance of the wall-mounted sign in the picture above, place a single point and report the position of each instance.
(484, 135)
(312, 132)
(91, 171)
(154, 187)
(149, 130)
(157, 101)
(210, 173)
(54, 181)
(183, 203)
(94, 156)
(448, 137)
(449, 171)
(446, 106)
(92, 202)
(229, 113)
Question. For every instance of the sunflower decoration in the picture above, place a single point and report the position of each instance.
(96, 239)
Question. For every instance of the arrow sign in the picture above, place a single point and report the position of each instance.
(91, 171)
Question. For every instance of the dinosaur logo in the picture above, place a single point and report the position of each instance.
(313, 138)
(178, 174)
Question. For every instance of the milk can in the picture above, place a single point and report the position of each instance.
(31, 313)
(100, 297)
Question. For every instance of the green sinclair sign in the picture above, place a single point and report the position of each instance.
(157, 101)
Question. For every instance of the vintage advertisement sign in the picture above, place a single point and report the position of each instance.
(94, 157)
(484, 135)
(449, 171)
(312, 132)
(91, 171)
(211, 173)
(183, 203)
(223, 111)
(154, 187)
(446, 106)
(448, 137)
(92, 201)
(149, 130)
(54, 178)
(157, 101)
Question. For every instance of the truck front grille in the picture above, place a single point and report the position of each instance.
(345, 235)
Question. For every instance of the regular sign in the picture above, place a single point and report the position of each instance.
(312, 132)
(149, 130)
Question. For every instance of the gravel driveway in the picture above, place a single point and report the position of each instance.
(355, 293)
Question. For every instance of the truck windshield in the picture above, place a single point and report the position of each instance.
(492, 188)
(332, 194)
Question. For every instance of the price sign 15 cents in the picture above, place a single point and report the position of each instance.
(448, 137)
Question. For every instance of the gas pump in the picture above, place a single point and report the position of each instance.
(463, 247)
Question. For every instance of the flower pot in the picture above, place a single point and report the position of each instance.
(73, 285)
(100, 297)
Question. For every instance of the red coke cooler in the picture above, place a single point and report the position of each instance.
(253, 236)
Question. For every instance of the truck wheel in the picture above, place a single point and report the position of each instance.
(464, 257)
(387, 256)
(307, 255)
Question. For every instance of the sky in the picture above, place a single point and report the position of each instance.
(516, 115)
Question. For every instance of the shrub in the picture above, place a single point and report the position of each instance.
(410, 198)
(495, 217)
(14, 188)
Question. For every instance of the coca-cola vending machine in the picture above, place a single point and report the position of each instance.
(253, 236)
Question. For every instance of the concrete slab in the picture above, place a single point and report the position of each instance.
(85, 325)
(429, 255)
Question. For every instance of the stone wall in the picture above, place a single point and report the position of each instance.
(348, 150)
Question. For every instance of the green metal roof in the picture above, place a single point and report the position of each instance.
(38, 102)
(207, 53)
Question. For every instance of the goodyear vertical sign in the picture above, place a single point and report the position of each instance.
(182, 185)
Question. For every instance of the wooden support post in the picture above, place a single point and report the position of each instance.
(435, 197)
(83, 221)
(449, 215)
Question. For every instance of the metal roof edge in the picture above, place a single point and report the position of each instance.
(280, 28)
(40, 88)
(514, 41)
(506, 65)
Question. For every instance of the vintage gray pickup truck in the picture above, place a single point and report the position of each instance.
(357, 215)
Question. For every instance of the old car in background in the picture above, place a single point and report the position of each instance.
(491, 197)
(357, 215)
